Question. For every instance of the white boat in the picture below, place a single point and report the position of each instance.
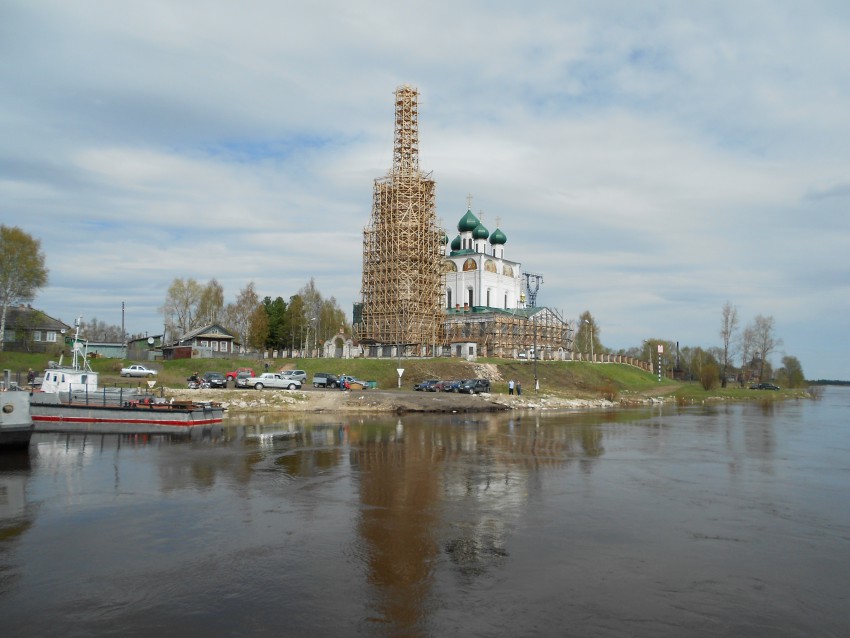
(15, 421)
(70, 400)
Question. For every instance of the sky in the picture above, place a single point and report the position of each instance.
(652, 160)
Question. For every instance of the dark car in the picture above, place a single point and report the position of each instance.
(474, 386)
(452, 385)
(767, 386)
(215, 379)
(427, 385)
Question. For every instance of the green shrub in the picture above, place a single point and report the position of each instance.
(709, 376)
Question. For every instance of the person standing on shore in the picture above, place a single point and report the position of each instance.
(518, 388)
(510, 387)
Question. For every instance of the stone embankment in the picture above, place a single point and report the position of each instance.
(399, 402)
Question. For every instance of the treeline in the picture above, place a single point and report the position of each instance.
(743, 356)
(303, 321)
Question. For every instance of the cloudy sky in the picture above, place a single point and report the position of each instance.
(651, 159)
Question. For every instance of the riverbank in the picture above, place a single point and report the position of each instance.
(392, 401)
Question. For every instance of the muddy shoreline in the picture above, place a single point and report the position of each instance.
(387, 401)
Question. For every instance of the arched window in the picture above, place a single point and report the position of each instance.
(448, 298)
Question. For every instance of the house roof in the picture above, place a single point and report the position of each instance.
(214, 331)
(27, 318)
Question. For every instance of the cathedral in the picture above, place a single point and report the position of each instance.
(424, 296)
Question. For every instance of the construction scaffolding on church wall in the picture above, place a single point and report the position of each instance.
(401, 247)
(506, 335)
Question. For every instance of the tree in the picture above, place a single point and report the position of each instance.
(312, 299)
(211, 304)
(331, 319)
(237, 315)
(791, 373)
(587, 335)
(181, 307)
(748, 339)
(22, 270)
(295, 320)
(258, 328)
(764, 340)
(696, 360)
(708, 376)
(95, 330)
(728, 327)
(324, 316)
(276, 313)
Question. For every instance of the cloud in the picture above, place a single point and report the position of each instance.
(650, 160)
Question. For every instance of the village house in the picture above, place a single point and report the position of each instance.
(31, 330)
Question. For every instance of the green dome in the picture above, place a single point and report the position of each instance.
(456, 243)
(468, 222)
(444, 239)
(480, 232)
(498, 237)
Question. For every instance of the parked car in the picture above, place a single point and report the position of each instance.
(215, 379)
(325, 380)
(137, 370)
(453, 385)
(427, 386)
(765, 386)
(271, 380)
(240, 372)
(475, 386)
(300, 375)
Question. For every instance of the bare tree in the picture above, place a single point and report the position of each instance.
(764, 340)
(747, 342)
(181, 307)
(728, 328)
(22, 270)
(211, 303)
(95, 330)
(237, 315)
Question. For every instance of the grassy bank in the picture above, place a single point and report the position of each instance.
(572, 379)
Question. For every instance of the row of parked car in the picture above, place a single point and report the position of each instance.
(247, 378)
(468, 386)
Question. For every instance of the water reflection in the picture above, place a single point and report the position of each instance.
(608, 522)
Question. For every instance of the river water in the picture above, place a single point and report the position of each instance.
(729, 520)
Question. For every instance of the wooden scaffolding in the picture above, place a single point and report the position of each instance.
(401, 247)
(505, 333)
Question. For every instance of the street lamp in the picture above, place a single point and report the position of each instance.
(592, 358)
(534, 338)
(309, 345)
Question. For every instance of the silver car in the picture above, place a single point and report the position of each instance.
(137, 370)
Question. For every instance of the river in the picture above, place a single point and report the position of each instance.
(729, 520)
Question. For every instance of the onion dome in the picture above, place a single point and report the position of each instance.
(468, 223)
(456, 243)
(444, 239)
(498, 237)
(480, 232)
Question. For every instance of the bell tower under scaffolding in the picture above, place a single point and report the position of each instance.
(400, 294)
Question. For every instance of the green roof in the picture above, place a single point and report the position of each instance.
(468, 222)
